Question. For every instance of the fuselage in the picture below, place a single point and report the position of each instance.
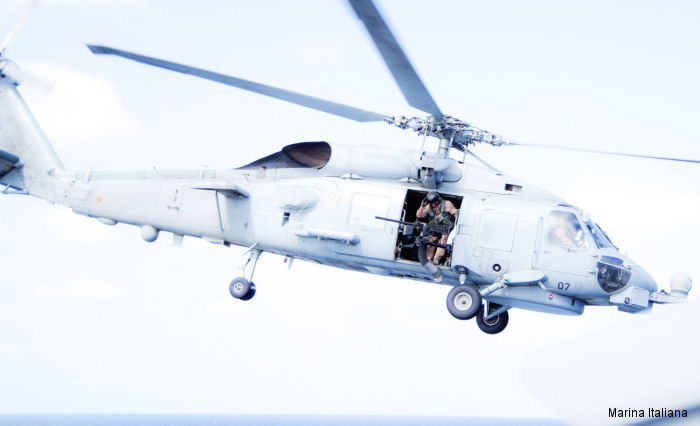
(326, 216)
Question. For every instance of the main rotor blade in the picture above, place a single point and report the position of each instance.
(329, 107)
(594, 151)
(29, 10)
(405, 75)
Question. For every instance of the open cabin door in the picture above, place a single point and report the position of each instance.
(408, 235)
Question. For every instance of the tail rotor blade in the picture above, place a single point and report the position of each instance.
(594, 151)
(319, 104)
(405, 75)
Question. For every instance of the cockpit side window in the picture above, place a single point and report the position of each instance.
(599, 236)
(565, 230)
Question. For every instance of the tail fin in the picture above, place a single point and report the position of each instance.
(21, 137)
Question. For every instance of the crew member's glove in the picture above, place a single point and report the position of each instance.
(424, 202)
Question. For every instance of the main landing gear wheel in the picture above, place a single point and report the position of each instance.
(241, 288)
(463, 302)
(492, 325)
(250, 294)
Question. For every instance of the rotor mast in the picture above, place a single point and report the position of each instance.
(444, 148)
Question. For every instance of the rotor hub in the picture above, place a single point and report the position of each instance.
(460, 134)
(9, 71)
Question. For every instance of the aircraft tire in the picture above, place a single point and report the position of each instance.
(239, 288)
(463, 302)
(494, 325)
(250, 293)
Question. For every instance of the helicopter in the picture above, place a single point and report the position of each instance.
(511, 244)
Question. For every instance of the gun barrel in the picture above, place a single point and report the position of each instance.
(403, 222)
(430, 243)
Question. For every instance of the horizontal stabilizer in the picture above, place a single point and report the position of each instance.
(228, 189)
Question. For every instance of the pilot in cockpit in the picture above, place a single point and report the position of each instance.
(439, 212)
(565, 230)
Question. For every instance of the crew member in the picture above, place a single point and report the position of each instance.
(439, 212)
(565, 230)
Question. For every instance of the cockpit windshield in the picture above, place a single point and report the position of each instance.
(599, 236)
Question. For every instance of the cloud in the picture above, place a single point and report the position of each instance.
(82, 108)
(11, 351)
(618, 361)
(76, 229)
(82, 287)
(96, 3)
(633, 207)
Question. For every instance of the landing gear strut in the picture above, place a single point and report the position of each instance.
(243, 287)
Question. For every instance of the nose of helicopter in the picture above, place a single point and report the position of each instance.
(642, 279)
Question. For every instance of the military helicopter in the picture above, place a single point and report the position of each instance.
(506, 244)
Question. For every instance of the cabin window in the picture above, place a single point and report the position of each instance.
(513, 188)
(497, 230)
(365, 209)
(565, 230)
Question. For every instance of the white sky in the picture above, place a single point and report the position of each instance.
(92, 319)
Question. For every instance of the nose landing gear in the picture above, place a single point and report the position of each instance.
(243, 287)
